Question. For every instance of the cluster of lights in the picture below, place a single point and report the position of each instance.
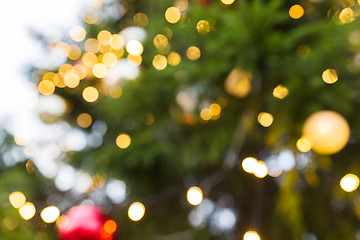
(253, 166)
(27, 210)
(211, 113)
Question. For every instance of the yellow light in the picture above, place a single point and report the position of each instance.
(50, 214)
(149, 119)
(91, 16)
(346, 15)
(172, 15)
(48, 76)
(280, 92)
(17, 199)
(10, 224)
(251, 235)
(80, 70)
(46, 87)
(30, 166)
(182, 5)
(61, 48)
(327, 131)
(249, 164)
(194, 196)
(77, 33)
(174, 58)
(350, 182)
(91, 45)
(137, 60)
(71, 79)
(109, 59)
(203, 26)
(261, 170)
(65, 68)
(136, 211)
(59, 81)
(193, 53)
(141, 19)
(74, 52)
(296, 11)
(134, 47)
(84, 120)
(89, 59)
(265, 119)
(104, 37)
(303, 144)
(205, 114)
(123, 141)
(90, 94)
(227, 2)
(159, 62)
(329, 76)
(116, 42)
(27, 211)
(238, 83)
(115, 92)
(161, 42)
(99, 70)
(215, 109)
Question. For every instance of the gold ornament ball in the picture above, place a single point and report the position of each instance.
(327, 131)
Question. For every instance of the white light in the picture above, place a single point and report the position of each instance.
(136, 211)
(251, 235)
(116, 191)
(249, 164)
(350, 182)
(194, 195)
(50, 214)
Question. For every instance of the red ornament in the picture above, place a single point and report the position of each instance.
(86, 222)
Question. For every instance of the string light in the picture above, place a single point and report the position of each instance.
(17, 199)
(123, 141)
(27, 211)
(50, 214)
(350, 182)
(134, 47)
(136, 211)
(90, 94)
(265, 119)
(172, 15)
(194, 196)
(249, 164)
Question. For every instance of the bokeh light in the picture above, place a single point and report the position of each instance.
(251, 235)
(84, 120)
(46, 87)
(194, 195)
(90, 94)
(159, 62)
(249, 164)
(350, 182)
(296, 11)
(116, 42)
(329, 76)
(27, 211)
(134, 47)
(136, 211)
(227, 2)
(280, 92)
(123, 141)
(347, 15)
(99, 70)
(109, 59)
(110, 226)
(104, 37)
(77, 33)
(91, 45)
(265, 119)
(238, 83)
(203, 26)
(174, 58)
(303, 144)
(50, 214)
(17, 199)
(172, 15)
(205, 114)
(261, 169)
(193, 53)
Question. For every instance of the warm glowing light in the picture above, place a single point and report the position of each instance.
(194, 195)
(327, 131)
(261, 169)
(80, 70)
(296, 11)
(104, 37)
(48, 76)
(116, 42)
(329, 76)
(205, 114)
(149, 119)
(161, 42)
(50, 214)
(227, 2)
(61, 49)
(159, 62)
(347, 15)
(91, 45)
(350, 182)
(84, 120)
(182, 5)
(238, 83)
(46, 87)
(10, 223)
(303, 144)
(141, 19)
(17, 199)
(265, 119)
(71, 79)
(110, 226)
(193, 53)
(89, 59)
(115, 91)
(27, 211)
(251, 235)
(109, 59)
(59, 81)
(99, 70)
(74, 52)
(90, 94)
(203, 26)
(134, 47)
(174, 58)
(215, 109)
(137, 60)
(280, 92)
(249, 164)
(91, 16)
(123, 141)
(65, 68)
(172, 15)
(21, 138)
(77, 33)
(136, 211)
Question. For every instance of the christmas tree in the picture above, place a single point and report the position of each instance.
(203, 120)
